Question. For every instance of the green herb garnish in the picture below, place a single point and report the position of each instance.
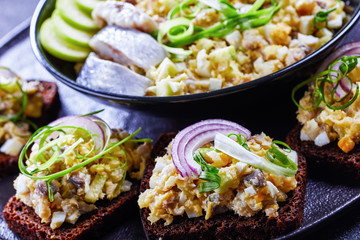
(188, 9)
(331, 77)
(181, 31)
(222, 6)
(276, 156)
(322, 17)
(92, 113)
(209, 174)
(241, 140)
(22, 100)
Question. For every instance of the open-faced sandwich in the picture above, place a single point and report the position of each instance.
(214, 180)
(76, 174)
(23, 105)
(329, 116)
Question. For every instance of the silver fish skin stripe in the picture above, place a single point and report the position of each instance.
(111, 77)
(123, 14)
(128, 47)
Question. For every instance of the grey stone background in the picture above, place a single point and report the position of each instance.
(13, 12)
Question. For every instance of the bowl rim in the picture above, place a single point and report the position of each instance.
(38, 52)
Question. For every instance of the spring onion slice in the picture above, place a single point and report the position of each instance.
(243, 21)
(241, 138)
(233, 149)
(176, 26)
(276, 156)
(322, 16)
(22, 100)
(331, 77)
(13, 81)
(209, 174)
(222, 6)
(257, 4)
(175, 29)
(179, 32)
(92, 113)
(188, 9)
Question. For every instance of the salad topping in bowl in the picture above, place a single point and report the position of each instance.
(211, 45)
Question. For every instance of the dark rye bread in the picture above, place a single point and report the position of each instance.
(25, 223)
(328, 157)
(226, 225)
(51, 106)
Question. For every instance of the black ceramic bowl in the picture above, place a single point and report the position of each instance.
(64, 71)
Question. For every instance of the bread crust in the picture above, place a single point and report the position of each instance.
(328, 157)
(51, 106)
(27, 224)
(226, 225)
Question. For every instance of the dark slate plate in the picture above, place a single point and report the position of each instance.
(330, 200)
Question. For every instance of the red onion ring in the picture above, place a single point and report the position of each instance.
(101, 123)
(83, 122)
(349, 49)
(196, 135)
(344, 50)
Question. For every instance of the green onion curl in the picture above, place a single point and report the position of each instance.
(322, 16)
(209, 174)
(333, 77)
(241, 140)
(276, 156)
(188, 9)
(222, 6)
(180, 32)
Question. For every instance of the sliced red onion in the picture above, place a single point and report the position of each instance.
(102, 124)
(349, 49)
(342, 89)
(201, 139)
(83, 122)
(196, 135)
(344, 82)
(344, 50)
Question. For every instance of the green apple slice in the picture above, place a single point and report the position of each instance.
(68, 33)
(73, 15)
(87, 5)
(59, 48)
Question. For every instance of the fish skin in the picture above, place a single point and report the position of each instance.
(128, 47)
(123, 14)
(104, 75)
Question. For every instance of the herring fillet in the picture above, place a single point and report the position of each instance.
(123, 14)
(111, 77)
(128, 47)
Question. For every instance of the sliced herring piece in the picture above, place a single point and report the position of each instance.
(123, 14)
(128, 47)
(111, 77)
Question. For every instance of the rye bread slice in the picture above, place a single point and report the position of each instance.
(51, 106)
(328, 157)
(226, 225)
(27, 224)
